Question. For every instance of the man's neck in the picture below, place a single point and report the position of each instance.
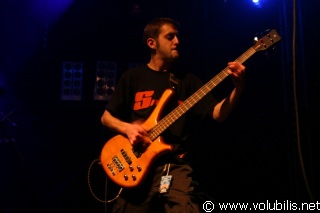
(158, 65)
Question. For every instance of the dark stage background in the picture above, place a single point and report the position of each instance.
(48, 143)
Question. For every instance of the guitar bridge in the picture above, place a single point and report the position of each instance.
(111, 169)
(118, 163)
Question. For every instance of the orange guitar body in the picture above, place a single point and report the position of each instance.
(127, 166)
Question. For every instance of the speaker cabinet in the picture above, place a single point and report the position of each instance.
(106, 73)
(71, 84)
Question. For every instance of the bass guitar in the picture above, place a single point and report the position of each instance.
(127, 165)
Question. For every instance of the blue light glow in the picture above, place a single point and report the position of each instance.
(51, 9)
(257, 3)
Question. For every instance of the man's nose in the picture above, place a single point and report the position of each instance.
(176, 40)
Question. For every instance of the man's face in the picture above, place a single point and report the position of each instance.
(167, 43)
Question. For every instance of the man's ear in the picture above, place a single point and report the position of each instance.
(151, 43)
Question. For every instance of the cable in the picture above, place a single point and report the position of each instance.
(91, 190)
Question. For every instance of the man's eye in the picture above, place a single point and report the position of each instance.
(171, 36)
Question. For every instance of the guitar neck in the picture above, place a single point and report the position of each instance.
(174, 115)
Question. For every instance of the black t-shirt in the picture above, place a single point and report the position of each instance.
(139, 90)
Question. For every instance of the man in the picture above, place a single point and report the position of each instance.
(137, 93)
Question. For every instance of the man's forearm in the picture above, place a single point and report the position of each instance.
(223, 109)
(112, 122)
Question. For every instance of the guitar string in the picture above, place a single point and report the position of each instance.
(193, 99)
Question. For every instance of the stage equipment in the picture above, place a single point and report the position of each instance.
(106, 73)
(71, 84)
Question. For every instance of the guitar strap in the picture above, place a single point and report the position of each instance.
(180, 149)
(174, 82)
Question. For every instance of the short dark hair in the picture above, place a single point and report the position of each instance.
(152, 29)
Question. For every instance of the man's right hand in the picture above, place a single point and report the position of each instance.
(135, 133)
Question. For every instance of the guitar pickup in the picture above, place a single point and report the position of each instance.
(125, 155)
(140, 148)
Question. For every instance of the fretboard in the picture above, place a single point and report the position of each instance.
(175, 114)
